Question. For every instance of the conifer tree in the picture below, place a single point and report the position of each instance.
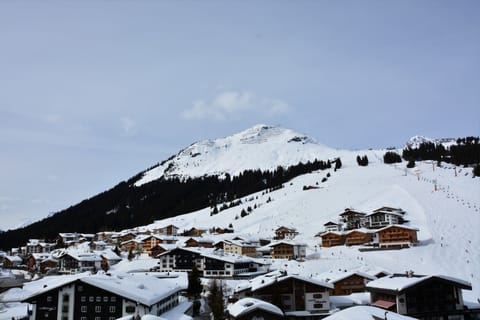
(215, 300)
(194, 282)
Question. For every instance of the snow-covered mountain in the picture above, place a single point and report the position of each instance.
(260, 147)
(442, 204)
(417, 140)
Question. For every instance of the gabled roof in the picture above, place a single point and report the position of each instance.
(376, 213)
(279, 276)
(351, 211)
(362, 230)
(287, 242)
(230, 258)
(330, 223)
(366, 313)
(389, 209)
(247, 305)
(398, 283)
(398, 226)
(141, 288)
(337, 233)
(335, 276)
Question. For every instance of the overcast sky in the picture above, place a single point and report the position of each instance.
(93, 92)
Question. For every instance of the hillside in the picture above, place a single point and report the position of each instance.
(448, 219)
(201, 175)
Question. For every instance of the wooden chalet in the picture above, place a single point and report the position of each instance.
(180, 259)
(301, 297)
(397, 236)
(199, 242)
(331, 238)
(287, 250)
(352, 219)
(422, 297)
(158, 249)
(285, 233)
(332, 226)
(346, 283)
(239, 248)
(33, 260)
(169, 230)
(12, 261)
(194, 232)
(358, 237)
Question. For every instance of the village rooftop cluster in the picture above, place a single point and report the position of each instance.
(76, 277)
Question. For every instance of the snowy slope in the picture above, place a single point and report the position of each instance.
(260, 147)
(448, 219)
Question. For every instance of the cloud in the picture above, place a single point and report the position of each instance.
(129, 125)
(228, 104)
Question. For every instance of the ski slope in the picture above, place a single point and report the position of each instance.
(448, 218)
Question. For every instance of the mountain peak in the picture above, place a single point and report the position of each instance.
(262, 146)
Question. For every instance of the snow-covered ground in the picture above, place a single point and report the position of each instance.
(448, 218)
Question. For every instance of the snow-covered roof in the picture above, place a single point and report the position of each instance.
(247, 305)
(333, 276)
(398, 226)
(270, 278)
(357, 298)
(289, 242)
(366, 313)
(400, 283)
(388, 213)
(141, 288)
(230, 258)
(363, 230)
(13, 258)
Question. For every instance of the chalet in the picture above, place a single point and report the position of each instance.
(106, 236)
(169, 230)
(48, 264)
(287, 250)
(251, 308)
(38, 246)
(226, 265)
(79, 262)
(123, 237)
(97, 245)
(108, 257)
(33, 260)
(358, 237)
(301, 297)
(332, 226)
(396, 236)
(239, 248)
(332, 238)
(346, 283)
(382, 218)
(199, 242)
(159, 249)
(194, 232)
(285, 233)
(352, 219)
(12, 261)
(133, 245)
(103, 296)
(420, 296)
(181, 259)
(223, 230)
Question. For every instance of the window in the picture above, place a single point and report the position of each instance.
(105, 299)
(98, 318)
(83, 299)
(90, 299)
(111, 309)
(113, 299)
(98, 309)
(83, 318)
(49, 299)
(83, 309)
(80, 288)
(318, 305)
(129, 309)
(317, 296)
(98, 299)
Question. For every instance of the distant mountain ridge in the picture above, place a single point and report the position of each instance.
(417, 140)
(261, 147)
